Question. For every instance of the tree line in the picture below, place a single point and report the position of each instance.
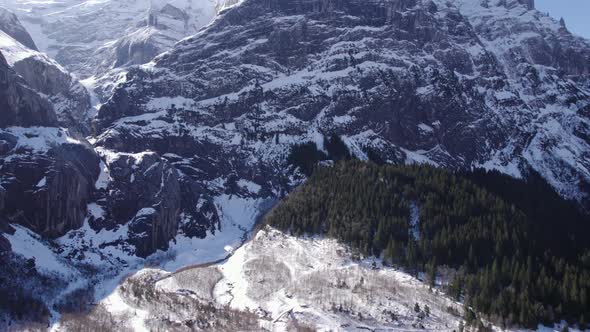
(521, 252)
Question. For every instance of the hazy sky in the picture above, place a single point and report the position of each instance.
(575, 12)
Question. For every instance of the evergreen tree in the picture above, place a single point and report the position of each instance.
(337, 149)
(513, 262)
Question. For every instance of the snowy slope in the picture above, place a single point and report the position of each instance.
(193, 146)
(10, 24)
(94, 260)
(287, 284)
(91, 37)
(14, 51)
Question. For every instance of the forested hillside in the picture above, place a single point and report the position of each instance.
(522, 254)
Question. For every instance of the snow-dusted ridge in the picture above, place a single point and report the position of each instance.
(91, 37)
(523, 105)
(98, 260)
(194, 143)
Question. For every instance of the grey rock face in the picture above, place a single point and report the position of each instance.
(153, 36)
(133, 52)
(450, 83)
(2, 197)
(10, 24)
(155, 198)
(530, 4)
(4, 245)
(145, 191)
(19, 104)
(71, 100)
(49, 178)
(174, 13)
(415, 81)
(47, 173)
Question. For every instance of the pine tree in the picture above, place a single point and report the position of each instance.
(516, 244)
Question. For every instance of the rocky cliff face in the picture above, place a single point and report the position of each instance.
(2, 197)
(192, 144)
(457, 84)
(49, 176)
(10, 24)
(19, 104)
(70, 100)
(47, 173)
(144, 191)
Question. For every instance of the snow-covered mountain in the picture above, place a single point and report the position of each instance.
(46, 169)
(456, 84)
(90, 37)
(68, 97)
(20, 104)
(188, 150)
(11, 25)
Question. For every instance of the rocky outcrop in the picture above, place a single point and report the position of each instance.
(413, 81)
(530, 4)
(2, 197)
(48, 173)
(10, 24)
(138, 48)
(49, 178)
(144, 192)
(5, 245)
(19, 104)
(400, 81)
(221, 5)
(142, 45)
(71, 100)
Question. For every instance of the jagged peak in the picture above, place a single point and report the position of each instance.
(11, 25)
(562, 23)
(222, 5)
(530, 4)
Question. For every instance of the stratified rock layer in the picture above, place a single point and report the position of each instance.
(49, 178)
(458, 84)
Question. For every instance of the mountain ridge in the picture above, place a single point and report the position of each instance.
(187, 150)
(478, 70)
